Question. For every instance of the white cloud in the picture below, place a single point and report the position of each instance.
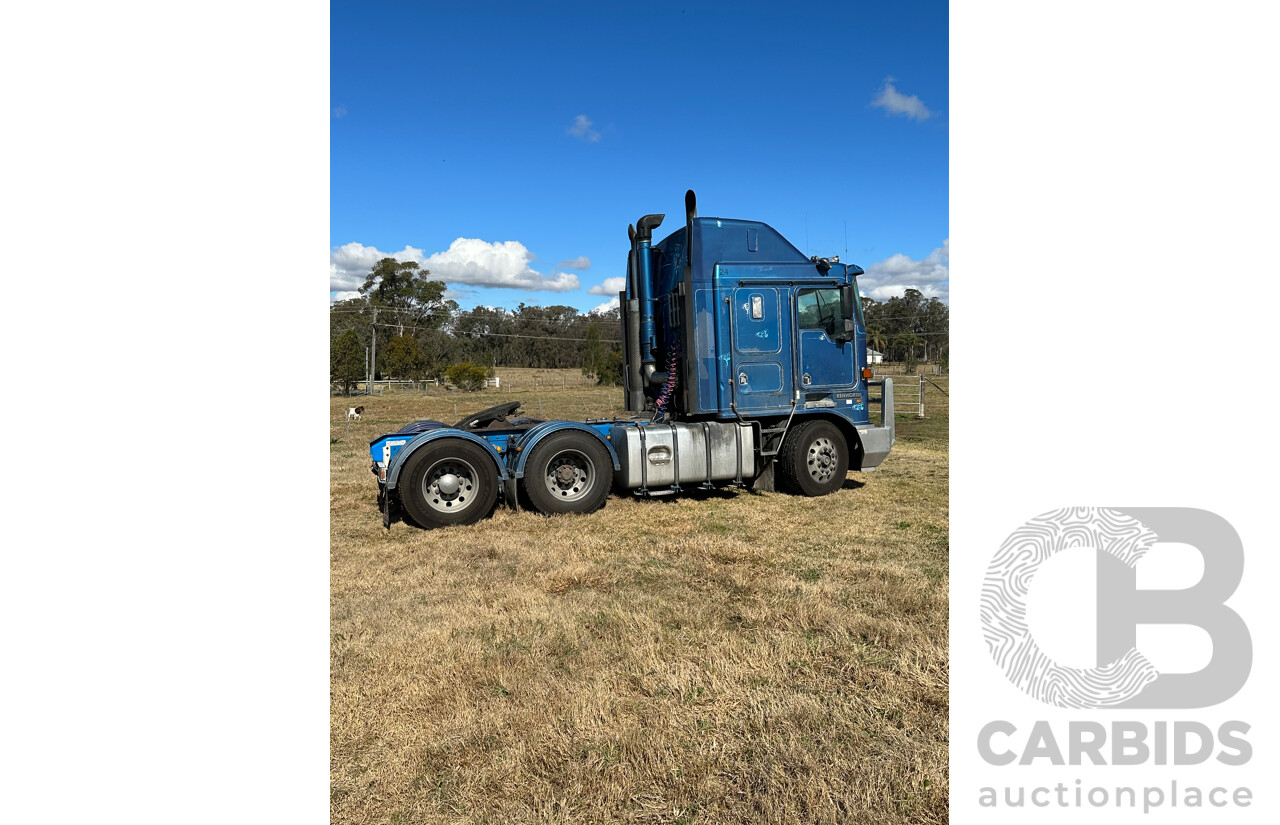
(605, 307)
(581, 129)
(350, 263)
(896, 274)
(499, 264)
(467, 261)
(896, 103)
(336, 297)
(580, 262)
(611, 286)
(339, 111)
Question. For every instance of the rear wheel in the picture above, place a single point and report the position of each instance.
(449, 482)
(814, 459)
(568, 472)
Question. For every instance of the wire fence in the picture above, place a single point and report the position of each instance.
(568, 379)
(908, 398)
(896, 368)
(908, 392)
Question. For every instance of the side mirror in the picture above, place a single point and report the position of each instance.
(846, 311)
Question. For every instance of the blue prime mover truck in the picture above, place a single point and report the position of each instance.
(745, 364)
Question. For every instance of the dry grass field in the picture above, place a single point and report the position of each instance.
(727, 657)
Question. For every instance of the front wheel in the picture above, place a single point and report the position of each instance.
(568, 472)
(449, 482)
(814, 459)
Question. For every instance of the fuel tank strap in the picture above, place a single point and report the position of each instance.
(675, 456)
(706, 443)
(644, 464)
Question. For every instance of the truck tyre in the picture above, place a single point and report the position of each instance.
(814, 459)
(449, 482)
(568, 472)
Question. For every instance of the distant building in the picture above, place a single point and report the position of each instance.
(874, 357)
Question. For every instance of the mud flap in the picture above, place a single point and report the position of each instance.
(763, 482)
(509, 496)
(384, 504)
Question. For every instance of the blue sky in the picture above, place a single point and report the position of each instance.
(507, 146)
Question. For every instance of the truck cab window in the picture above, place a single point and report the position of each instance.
(820, 309)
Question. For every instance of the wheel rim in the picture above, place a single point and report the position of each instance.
(450, 485)
(823, 459)
(569, 475)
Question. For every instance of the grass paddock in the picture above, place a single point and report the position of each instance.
(721, 657)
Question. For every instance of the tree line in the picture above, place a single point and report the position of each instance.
(909, 328)
(417, 334)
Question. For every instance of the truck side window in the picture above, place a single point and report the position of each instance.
(820, 309)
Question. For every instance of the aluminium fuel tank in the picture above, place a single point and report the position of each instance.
(657, 455)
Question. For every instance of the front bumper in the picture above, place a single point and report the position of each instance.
(876, 444)
(878, 441)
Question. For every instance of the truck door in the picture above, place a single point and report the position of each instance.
(823, 362)
(761, 363)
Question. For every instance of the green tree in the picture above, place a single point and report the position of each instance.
(437, 349)
(599, 357)
(876, 338)
(908, 341)
(593, 352)
(352, 314)
(934, 322)
(406, 296)
(908, 326)
(466, 376)
(610, 369)
(402, 359)
(346, 360)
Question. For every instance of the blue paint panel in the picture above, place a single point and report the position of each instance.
(706, 351)
(719, 241)
(401, 437)
(825, 362)
(726, 251)
(758, 365)
(761, 378)
(495, 445)
(528, 440)
(757, 335)
(861, 415)
(725, 240)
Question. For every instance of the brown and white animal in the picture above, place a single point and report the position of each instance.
(354, 412)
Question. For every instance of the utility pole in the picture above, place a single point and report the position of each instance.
(368, 388)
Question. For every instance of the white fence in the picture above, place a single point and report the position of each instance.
(896, 368)
(908, 394)
(380, 387)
